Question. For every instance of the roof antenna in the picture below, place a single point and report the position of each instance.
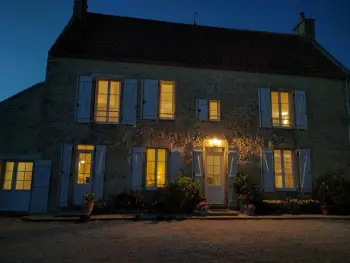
(194, 18)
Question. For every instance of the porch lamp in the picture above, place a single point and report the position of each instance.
(215, 142)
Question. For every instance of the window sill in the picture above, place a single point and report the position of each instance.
(285, 189)
(95, 122)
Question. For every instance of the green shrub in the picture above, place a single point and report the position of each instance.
(289, 206)
(333, 192)
(182, 195)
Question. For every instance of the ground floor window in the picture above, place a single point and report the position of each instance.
(155, 168)
(17, 175)
(284, 169)
(84, 163)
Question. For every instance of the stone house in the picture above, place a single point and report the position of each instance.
(132, 103)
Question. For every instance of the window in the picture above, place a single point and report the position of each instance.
(281, 109)
(18, 176)
(107, 101)
(214, 110)
(155, 168)
(284, 169)
(84, 159)
(166, 103)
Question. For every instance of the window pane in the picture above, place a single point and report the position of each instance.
(150, 169)
(166, 104)
(20, 176)
(7, 185)
(21, 167)
(19, 185)
(277, 168)
(9, 166)
(160, 180)
(278, 181)
(217, 169)
(113, 102)
(161, 155)
(102, 87)
(284, 97)
(85, 147)
(214, 110)
(8, 175)
(210, 160)
(151, 154)
(29, 167)
(274, 97)
(84, 168)
(102, 102)
(217, 160)
(115, 87)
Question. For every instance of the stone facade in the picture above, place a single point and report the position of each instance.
(326, 136)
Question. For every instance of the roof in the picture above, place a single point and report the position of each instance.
(106, 37)
(23, 93)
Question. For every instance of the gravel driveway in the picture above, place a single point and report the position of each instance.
(181, 241)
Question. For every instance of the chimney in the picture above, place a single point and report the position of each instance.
(306, 27)
(80, 9)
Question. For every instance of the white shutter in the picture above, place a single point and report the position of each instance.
(300, 109)
(305, 170)
(202, 111)
(100, 156)
(197, 162)
(83, 105)
(175, 163)
(267, 170)
(232, 164)
(265, 108)
(136, 168)
(129, 101)
(65, 172)
(149, 99)
(40, 187)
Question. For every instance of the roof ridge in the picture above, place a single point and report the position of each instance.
(200, 26)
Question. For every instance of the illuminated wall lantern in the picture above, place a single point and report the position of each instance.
(215, 142)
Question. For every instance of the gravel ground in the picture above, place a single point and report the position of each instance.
(181, 241)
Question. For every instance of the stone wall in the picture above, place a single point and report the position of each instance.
(238, 93)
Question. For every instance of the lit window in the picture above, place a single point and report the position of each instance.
(281, 109)
(84, 159)
(284, 169)
(214, 110)
(107, 101)
(19, 173)
(166, 103)
(155, 168)
(213, 170)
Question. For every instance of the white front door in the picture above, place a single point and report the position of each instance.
(82, 175)
(214, 177)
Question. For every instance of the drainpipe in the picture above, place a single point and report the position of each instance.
(347, 105)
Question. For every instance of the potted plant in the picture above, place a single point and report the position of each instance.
(243, 189)
(249, 209)
(202, 208)
(88, 203)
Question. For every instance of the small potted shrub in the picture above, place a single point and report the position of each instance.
(202, 208)
(249, 209)
(88, 203)
(243, 189)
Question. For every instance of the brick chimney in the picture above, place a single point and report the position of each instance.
(80, 9)
(306, 27)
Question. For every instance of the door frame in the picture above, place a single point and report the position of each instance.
(221, 153)
(74, 171)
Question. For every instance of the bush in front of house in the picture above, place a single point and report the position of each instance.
(288, 206)
(333, 192)
(182, 195)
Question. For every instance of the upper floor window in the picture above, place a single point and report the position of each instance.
(17, 175)
(107, 101)
(284, 169)
(281, 109)
(214, 110)
(207, 110)
(155, 168)
(166, 100)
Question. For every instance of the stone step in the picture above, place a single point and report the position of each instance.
(222, 212)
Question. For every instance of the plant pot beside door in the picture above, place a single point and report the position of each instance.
(88, 204)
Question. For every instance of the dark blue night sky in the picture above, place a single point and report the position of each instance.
(29, 27)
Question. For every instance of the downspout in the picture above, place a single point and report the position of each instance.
(347, 103)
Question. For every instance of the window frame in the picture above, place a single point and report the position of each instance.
(14, 175)
(95, 99)
(155, 187)
(76, 153)
(291, 108)
(173, 99)
(218, 110)
(293, 155)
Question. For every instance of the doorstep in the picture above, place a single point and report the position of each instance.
(147, 217)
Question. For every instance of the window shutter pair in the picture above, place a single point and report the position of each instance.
(202, 109)
(267, 170)
(174, 163)
(266, 113)
(66, 168)
(85, 95)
